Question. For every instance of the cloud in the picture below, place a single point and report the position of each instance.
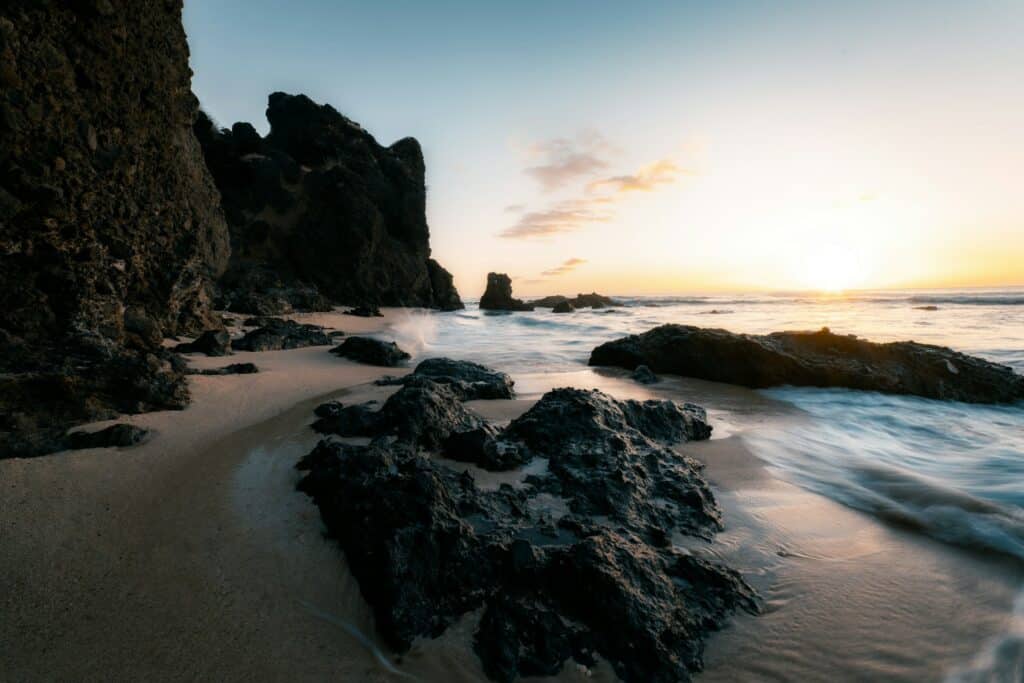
(564, 216)
(565, 160)
(661, 172)
(566, 267)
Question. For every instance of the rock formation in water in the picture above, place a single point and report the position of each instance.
(818, 359)
(319, 211)
(110, 226)
(428, 546)
(558, 302)
(498, 295)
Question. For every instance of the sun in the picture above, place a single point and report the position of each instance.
(832, 268)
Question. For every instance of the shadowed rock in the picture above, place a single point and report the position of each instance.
(232, 369)
(276, 334)
(563, 307)
(369, 311)
(498, 295)
(592, 300)
(211, 342)
(371, 351)
(120, 435)
(819, 359)
(644, 375)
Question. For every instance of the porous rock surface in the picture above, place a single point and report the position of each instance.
(430, 547)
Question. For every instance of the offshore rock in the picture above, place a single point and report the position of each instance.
(498, 295)
(817, 359)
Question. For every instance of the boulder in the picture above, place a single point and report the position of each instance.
(369, 311)
(121, 435)
(644, 375)
(210, 342)
(371, 351)
(258, 289)
(563, 307)
(593, 300)
(469, 381)
(276, 333)
(232, 369)
(319, 203)
(819, 359)
(428, 546)
(498, 295)
(549, 301)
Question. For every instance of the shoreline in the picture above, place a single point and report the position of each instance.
(191, 556)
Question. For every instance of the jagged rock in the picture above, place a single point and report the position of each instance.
(318, 201)
(470, 381)
(370, 311)
(371, 351)
(563, 307)
(644, 375)
(232, 369)
(362, 419)
(110, 227)
(121, 435)
(428, 546)
(484, 447)
(210, 342)
(820, 359)
(277, 333)
(498, 295)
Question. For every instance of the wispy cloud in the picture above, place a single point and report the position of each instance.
(564, 160)
(647, 178)
(566, 267)
(563, 216)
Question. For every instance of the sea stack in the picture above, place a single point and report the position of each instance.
(498, 295)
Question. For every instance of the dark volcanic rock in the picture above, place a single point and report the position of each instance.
(644, 375)
(469, 381)
(563, 307)
(371, 351)
(319, 202)
(110, 227)
(498, 295)
(232, 369)
(211, 342)
(257, 289)
(428, 546)
(276, 333)
(115, 436)
(593, 300)
(550, 301)
(370, 311)
(820, 359)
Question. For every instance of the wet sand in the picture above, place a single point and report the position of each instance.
(191, 557)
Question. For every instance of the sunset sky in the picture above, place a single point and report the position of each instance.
(661, 147)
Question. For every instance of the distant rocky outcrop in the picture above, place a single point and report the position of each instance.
(111, 229)
(498, 295)
(320, 211)
(819, 359)
(429, 546)
(563, 304)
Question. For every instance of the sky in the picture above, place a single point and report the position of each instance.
(668, 147)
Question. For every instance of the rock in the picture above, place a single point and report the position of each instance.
(563, 307)
(644, 375)
(469, 381)
(498, 295)
(926, 308)
(483, 447)
(329, 409)
(210, 342)
(371, 351)
(358, 420)
(256, 289)
(428, 546)
(370, 311)
(120, 246)
(319, 202)
(593, 300)
(820, 359)
(121, 435)
(232, 369)
(550, 301)
(277, 333)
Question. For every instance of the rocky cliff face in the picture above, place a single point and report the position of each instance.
(110, 226)
(319, 203)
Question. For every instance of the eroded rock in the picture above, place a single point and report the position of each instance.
(371, 351)
(498, 295)
(470, 381)
(210, 342)
(276, 333)
(820, 359)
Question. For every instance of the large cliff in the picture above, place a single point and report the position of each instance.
(318, 203)
(110, 226)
